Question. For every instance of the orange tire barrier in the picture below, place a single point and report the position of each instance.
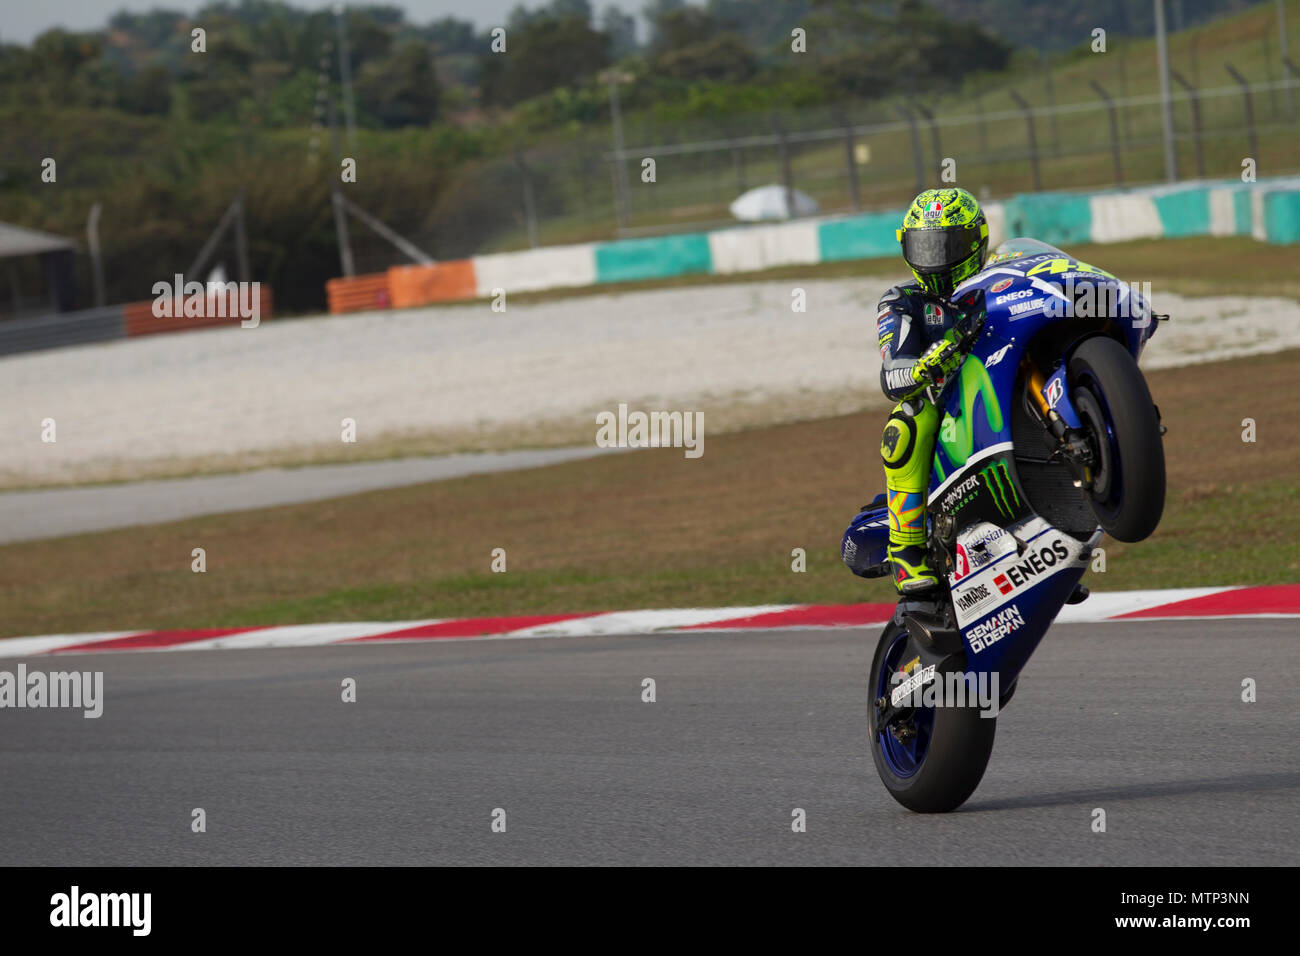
(358, 293)
(140, 318)
(441, 282)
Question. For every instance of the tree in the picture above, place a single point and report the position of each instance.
(562, 9)
(545, 55)
(684, 27)
(149, 92)
(724, 58)
(620, 27)
(450, 35)
(864, 51)
(401, 90)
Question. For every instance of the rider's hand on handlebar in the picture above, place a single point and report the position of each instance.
(939, 361)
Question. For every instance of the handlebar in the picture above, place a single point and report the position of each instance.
(934, 391)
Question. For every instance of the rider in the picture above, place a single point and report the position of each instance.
(945, 240)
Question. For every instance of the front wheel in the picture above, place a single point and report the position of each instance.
(930, 759)
(1127, 493)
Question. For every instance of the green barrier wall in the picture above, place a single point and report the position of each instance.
(859, 237)
(663, 256)
(1282, 216)
(1184, 213)
(1054, 218)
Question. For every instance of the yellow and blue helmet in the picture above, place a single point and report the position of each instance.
(945, 239)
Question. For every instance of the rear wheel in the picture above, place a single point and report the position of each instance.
(1123, 429)
(943, 751)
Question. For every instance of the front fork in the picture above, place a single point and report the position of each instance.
(1073, 446)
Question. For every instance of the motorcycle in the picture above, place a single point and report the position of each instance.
(1049, 439)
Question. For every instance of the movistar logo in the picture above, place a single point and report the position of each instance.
(957, 435)
(997, 479)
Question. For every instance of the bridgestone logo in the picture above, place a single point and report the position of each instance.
(911, 684)
(973, 596)
(994, 629)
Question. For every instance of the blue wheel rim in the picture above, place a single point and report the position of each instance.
(1116, 489)
(903, 759)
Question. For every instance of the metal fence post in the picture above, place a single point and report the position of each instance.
(1281, 35)
(1196, 120)
(715, 186)
(1268, 74)
(787, 173)
(934, 134)
(1114, 131)
(1051, 104)
(241, 239)
(1295, 74)
(96, 254)
(1123, 94)
(1250, 110)
(850, 164)
(336, 198)
(620, 161)
(917, 162)
(1033, 140)
(530, 205)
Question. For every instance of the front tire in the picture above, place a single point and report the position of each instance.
(1115, 406)
(951, 749)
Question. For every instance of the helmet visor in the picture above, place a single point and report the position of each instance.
(935, 249)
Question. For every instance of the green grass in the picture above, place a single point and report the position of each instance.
(1247, 534)
(649, 530)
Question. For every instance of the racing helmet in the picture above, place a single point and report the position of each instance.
(945, 239)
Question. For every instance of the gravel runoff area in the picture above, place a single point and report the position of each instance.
(538, 373)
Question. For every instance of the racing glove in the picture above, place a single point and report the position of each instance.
(940, 360)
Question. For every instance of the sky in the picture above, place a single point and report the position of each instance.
(23, 20)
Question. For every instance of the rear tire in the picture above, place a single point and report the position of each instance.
(960, 743)
(1114, 403)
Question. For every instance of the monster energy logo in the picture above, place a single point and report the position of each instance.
(997, 479)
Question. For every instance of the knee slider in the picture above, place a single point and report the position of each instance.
(899, 440)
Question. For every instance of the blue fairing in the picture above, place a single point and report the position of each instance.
(865, 547)
(1036, 286)
(1039, 293)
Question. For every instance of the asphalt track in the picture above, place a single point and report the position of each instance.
(1143, 720)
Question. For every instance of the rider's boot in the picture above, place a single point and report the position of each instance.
(907, 448)
(912, 572)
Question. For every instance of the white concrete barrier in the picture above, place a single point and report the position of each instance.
(763, 247)
(550, 267)
(1120, 217)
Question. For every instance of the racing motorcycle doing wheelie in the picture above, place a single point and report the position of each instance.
(1049, 439)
